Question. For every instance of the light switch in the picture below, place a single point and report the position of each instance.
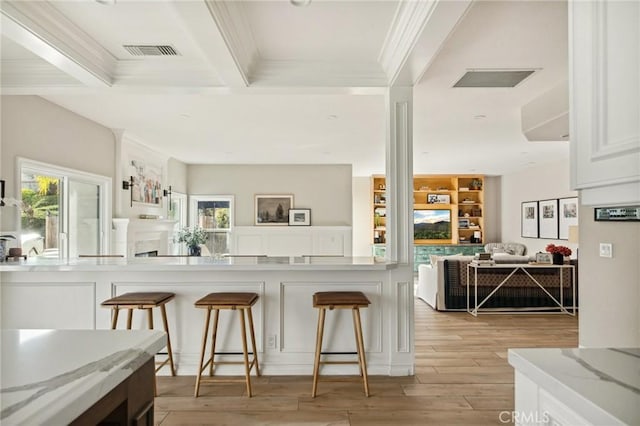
(606, 250)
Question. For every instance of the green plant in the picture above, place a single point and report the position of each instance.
(192, 236)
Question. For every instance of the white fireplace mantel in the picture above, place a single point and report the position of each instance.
(131, 236)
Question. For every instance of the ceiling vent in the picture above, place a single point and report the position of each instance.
(151, 50)
(493, 78)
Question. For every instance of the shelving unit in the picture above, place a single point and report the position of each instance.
(433, 195)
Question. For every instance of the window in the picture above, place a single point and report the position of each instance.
(213, 213)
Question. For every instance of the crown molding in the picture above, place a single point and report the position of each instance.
(406, 27)
(230, 19)
(418, 31)
(35, 73)
(42, 29)
(318, 74)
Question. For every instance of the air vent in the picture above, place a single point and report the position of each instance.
(493, 78)
(151, 50)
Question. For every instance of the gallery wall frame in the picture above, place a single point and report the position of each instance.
(299, 217)
(272, 209)
(548, 213)
(529, 219)
(567, 216)
(147, 173)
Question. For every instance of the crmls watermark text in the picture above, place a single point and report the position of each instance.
(520, 417)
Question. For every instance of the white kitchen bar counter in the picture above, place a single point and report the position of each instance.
(586, 386)
(48, 293)
(52, 377)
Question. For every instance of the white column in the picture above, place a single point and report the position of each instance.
(399, 174)
(399, 244)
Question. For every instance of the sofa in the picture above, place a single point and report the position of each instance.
(442, 284)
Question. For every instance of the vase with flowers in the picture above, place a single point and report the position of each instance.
(193, 237)
(558, 253)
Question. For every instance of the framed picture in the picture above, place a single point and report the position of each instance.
(438, 199)
(568, 216)
(299, 217)
(617, 214)
(548, 211)
(544, 258)
(529, 219)
(273, 209)
(143, 169)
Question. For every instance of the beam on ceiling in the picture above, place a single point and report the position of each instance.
(42, 29)
(222, 33)
(416, 35)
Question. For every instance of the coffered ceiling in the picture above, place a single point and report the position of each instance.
(269, 82)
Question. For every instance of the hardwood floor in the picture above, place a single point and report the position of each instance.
(462, 378)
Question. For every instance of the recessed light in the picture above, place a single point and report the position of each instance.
(425, 152)
(479, 117)
(185, 115)
(332, 117)
(565, 136)
(106, 2)
(300, 3)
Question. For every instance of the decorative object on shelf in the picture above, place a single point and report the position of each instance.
(475, 184)
(273, 209)
(617, 214)
(3, 244)
(567, 216)
(438, 199)
(548, 210)
(558, 253)
(15, 253)
(149, 216)
(299, 217)
(463, 223)
(193, 237)
(529, 220)
(545, 258)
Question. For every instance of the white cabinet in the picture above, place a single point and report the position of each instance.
(605, 101)
(291, 240)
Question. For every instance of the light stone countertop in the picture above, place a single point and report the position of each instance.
(601, 385)
(52, 376)
(231, 263)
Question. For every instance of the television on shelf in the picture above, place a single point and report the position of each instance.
(432, 224)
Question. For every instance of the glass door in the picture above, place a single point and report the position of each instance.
(83, 230)
(64, 212)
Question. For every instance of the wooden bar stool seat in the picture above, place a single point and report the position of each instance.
(353, 300)
(242, 302)
(145, 301)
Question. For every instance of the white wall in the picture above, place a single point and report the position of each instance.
(609, 289)
(544, 182)
(362, 216)
(34, 128)
(177, 175)
(325, 189)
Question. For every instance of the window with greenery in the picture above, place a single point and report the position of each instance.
(214, 213)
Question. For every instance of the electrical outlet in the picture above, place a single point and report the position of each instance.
(606, 250)
(271, 341)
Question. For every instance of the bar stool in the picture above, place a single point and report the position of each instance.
(353, 300)
(242, 302)
(146, 301)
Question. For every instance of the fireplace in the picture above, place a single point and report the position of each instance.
(142, 237)
(152, 253)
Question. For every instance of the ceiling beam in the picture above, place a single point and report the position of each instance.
(416, 35)
(42, 29)
(222, 33)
